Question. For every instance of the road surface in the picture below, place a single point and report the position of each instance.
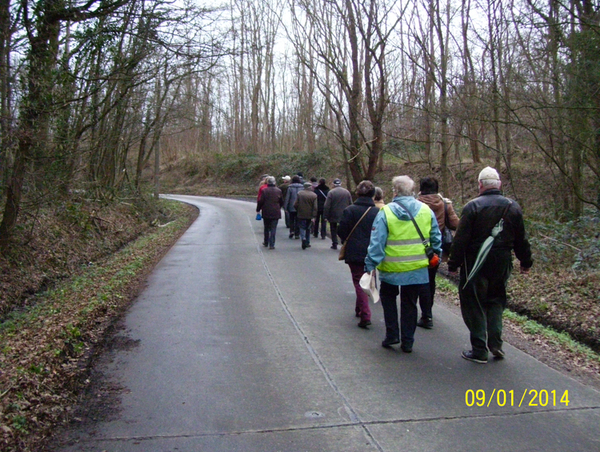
(234, 347)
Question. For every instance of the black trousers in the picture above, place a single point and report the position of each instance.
(334, 237)
(408, 311)
(270, 231)
(426, 294)
(294, 225)
(320, 218)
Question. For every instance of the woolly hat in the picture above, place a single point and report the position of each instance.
(286, 178)
(307, 185)
(337, 182)
(488, 173)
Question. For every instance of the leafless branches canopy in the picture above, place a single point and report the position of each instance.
(91, 90)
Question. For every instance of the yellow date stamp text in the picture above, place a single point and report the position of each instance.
(528, 398)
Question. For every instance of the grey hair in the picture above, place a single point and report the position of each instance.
(490, 183)
(403, 186)
(378, 193)
(270, 180)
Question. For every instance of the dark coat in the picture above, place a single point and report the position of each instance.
(478, 218)
(284, 187)
(356, 249)
(337, 200)
(321, 191)
(270, 202)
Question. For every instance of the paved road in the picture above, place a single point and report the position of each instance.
(239, 348)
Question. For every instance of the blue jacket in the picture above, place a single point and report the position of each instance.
(379, 234)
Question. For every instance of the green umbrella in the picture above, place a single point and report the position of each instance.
(484, 250)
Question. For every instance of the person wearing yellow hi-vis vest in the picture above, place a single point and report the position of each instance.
(398, 252)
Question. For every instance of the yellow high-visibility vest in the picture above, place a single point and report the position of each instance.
(404, 250)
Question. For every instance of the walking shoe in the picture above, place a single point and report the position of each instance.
(334, 246)
(303, 244)
(292, 235)
(271, 247)
(470, 356)
(265, 244)
(323, 238)
(497, 352)
(406, 348)
(389, 341)
(425, 322)
(364, 324)
(297, 237)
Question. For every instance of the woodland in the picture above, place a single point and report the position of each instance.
(104, 104)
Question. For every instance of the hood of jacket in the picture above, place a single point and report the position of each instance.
(433, 200)
(409, 202)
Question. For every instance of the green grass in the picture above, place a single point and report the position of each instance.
(531, 327)
(46, 345)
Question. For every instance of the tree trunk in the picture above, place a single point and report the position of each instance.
(33, 119)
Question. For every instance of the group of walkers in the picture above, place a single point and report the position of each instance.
(402, 240)
(308, 208)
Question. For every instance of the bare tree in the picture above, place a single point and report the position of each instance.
(359, 98)
(42, 32)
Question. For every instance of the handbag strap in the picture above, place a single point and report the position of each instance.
(503, 213)
(425, 242)
(445, 212)
(363, 215)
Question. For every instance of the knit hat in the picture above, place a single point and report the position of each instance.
(337, 182)
(307, 184)
(488, 173)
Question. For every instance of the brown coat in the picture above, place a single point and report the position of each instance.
(436, 203)
(306, 204)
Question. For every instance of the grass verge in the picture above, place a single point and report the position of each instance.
(47, 348)
(554, 348)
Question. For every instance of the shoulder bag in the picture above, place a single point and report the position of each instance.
(342, 254)
(434, 259)
(447, 236)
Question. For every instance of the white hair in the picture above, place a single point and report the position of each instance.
(490, 183)
(403, 186)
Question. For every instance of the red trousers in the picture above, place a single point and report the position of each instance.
(362, 300)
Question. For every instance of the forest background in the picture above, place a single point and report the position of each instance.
(106, 103)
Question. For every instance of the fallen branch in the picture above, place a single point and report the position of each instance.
(562, 243)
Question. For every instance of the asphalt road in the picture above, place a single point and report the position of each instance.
(235, 347)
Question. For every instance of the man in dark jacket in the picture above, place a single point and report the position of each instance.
(270, 202)
(483, 298)
(288, 205)
(306, 208)
(358, 243)
(321, 191)
(337, 200)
